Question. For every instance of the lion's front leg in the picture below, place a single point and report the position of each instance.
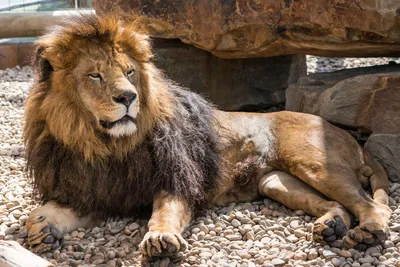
(47, 224)
(171, 215)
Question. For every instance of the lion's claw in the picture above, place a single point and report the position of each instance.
(162, 243)
(329, 231)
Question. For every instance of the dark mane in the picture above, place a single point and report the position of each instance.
(186, 149)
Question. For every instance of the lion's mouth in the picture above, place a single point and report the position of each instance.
(125, 119)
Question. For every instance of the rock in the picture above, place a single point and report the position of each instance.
(234, 237)
(23, 219)
(10, 230)
(328, 254)
(260, 260)
(81, 235)
(239, 215)
(292, 239)
(386, 149)
(345, 253)
(136, 239)
(357, 255)
(205, 254)
(235, 223)
(395, 227)
(13, 166)
(300, 213)
(366, 259)
(371, 251)
(232, 84)
(335, 262)
(192, 259)
(74, 233)
(313, 254)
(249, 236)
(388, 244)
(9, 237)
(78, 255)
(244, 254)
(133, 226)
(195, 230)
(205, 229)
(278, 262)
(215, 258)
(267, 212)
(300, 255)
(370, 106)
(95, 230)
(111, 254)
(294, 224)
(255, 28)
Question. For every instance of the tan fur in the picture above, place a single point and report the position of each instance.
(297, 159)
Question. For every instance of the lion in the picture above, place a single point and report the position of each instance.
(107, 134)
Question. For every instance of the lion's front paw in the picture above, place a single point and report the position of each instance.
(42, 235)
(157, 243)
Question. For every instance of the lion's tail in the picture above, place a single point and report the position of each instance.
(378, 178)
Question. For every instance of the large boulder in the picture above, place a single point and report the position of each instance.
(251, 84)
(366, 99)
(263, 28)
(386, 149)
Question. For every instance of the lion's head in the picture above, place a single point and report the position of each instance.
(97, 90)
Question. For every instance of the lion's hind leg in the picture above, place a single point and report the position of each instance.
(46, 225)
(377, 178)
(341, 183)
(333, 221)
(374, 218)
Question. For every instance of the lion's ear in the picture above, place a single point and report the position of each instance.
(42, 65)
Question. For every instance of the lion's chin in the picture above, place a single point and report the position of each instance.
(123, 129)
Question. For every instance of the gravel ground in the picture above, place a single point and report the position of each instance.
(261, 233)
(325, 64)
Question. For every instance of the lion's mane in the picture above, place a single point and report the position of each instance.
(177, 149)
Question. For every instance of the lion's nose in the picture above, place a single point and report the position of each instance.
(125, 98)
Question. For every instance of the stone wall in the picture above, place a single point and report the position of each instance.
(232, 84)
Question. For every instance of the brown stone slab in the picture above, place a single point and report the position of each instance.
(255, 28)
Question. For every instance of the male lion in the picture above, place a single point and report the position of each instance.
(107, 134)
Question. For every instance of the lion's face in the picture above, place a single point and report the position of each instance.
(108, 86)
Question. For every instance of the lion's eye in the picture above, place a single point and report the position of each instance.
(94, 76)
(130, 72)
